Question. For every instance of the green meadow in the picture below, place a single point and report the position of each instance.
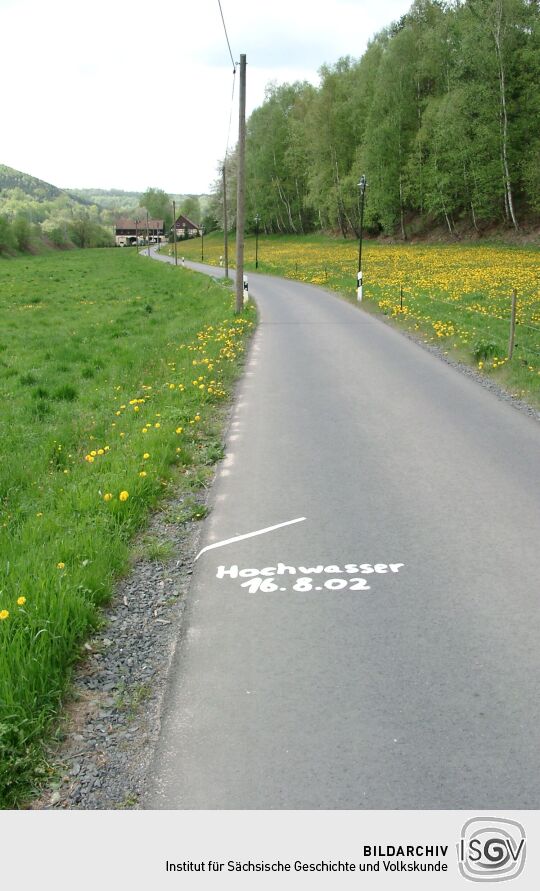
(113, 373)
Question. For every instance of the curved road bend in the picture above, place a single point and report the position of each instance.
(417, 691)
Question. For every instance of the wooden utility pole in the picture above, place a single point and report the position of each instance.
(174, 234)
(225, 223)
(241, 191)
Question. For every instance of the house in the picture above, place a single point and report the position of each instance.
(142, 231)
(186, 228)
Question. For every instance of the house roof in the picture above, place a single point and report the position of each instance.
(125, 223)
(183, 221)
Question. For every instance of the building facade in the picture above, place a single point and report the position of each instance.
(143, 231)
(186, 228)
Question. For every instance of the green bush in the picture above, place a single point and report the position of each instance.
(485, 349)
(22, 233)
(7, 238)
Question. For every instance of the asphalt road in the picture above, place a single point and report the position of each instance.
(373, 684)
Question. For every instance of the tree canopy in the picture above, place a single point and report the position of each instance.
(441, 113)
(158, 205)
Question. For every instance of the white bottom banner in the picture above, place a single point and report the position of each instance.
(266, 849)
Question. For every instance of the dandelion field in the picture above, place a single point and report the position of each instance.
(457, 296)
(113, 375)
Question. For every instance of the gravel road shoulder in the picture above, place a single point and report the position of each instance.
(112, 719)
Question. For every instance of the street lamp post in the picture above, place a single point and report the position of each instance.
(359, 283)
(202, 244)
(257, 221)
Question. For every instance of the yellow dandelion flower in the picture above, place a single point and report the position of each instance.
(146, 455)
(60, 565)
(21, 601)
(179, 429)
(4, 614)
(108, 496)
(124, 495)
(142, 473)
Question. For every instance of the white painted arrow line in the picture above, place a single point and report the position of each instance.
(220, 544)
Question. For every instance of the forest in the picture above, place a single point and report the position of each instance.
(441, 114)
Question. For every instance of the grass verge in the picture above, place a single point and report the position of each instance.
(113, 374)
(457, 296)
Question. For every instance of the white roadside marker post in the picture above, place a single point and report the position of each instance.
(359, 279)
(246, 289)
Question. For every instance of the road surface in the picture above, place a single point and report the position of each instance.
(383, 652)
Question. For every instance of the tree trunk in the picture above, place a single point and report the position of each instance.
(443, 205)
(299, 207)
(401, 210)
(340, 208)
(503, 115)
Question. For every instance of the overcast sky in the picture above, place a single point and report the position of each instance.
(116, 94)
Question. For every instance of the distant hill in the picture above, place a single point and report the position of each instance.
(20, 192)
(36, 189)
(112, 199)
(36, 216)
(118, 200)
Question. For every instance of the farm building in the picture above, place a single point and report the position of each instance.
(186, 228)
(129, 232)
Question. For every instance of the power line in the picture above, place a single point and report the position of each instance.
(227, 37)
(234, 78)
(230, 114)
